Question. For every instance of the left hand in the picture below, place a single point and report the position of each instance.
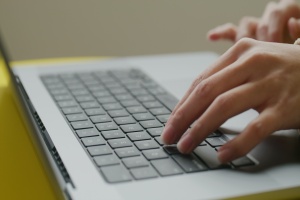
(252, 74)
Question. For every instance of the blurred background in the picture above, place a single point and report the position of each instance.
(68, 28)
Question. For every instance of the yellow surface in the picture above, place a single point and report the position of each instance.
(22, 175)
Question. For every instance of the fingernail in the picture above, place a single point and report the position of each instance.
(168, 135)
(225, 155)
(186, 144)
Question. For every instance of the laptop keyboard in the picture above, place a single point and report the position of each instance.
(118, 117)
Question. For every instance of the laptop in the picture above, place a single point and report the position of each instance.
(97, 127)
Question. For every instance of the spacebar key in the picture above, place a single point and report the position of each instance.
(209, 156)
(168, 100)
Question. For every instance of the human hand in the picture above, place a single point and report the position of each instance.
(251, 74)
(279, 23)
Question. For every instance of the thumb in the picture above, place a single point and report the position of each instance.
(294, 28)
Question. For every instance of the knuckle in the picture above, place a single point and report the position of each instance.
(222, 102)
(197, 81)
(179, 115)
(245, 43)
(256, 128)
(262, 28)
(203, 89)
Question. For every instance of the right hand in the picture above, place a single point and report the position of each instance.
(279, 23)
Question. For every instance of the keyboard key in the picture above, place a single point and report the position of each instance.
(168, 100)
(137, 161)
(102, 93)
(189, 163)
(143, 116)
(127, 152)
(87, 132)
(159, 111)
(80, 92)
(105, 100)
(114, 134)
(76, 117)
(122, 97)
(145, 98)
(114, 85)
(129, 103)
(59, 91)
(62, 97)
(146, 144)
(209, 156)
(91, 141)
(124, 120)
(242, 162)
(118, 143)
(216, 133)
(136, 109)
(155, 154)
(112, 106)
(99, 150)
(135, 136)
(71, 110)
(152, 104)
(166, 167)
(131, 128)
(116, 91)
(90, 104)
(95, 111)
(151, 124)
(163, 118)
(215, 141)
(115, 174)
(118, 113)
(156, 91)
(81, 125)
(100, 119)
(155, 131)
(95, 88)
(106, 160)
(143, 173)
(84, 98)
(106, 126)
(171, 149)
(64, 104)
(139, 92)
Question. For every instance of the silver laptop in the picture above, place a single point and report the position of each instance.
(97, 126)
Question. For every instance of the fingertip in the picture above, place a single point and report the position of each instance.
(294, 28)
(168, 135)
(213, 36)
(225, 155)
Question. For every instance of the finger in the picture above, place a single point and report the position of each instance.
(225, 106)
(225, 32)
(247, 28)
(260, 128)
(294, 28)
(262, 28)
(277, 22)
(226, 59)
(203, 94)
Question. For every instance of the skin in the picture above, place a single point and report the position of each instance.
(266, 79)
(279, 23)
